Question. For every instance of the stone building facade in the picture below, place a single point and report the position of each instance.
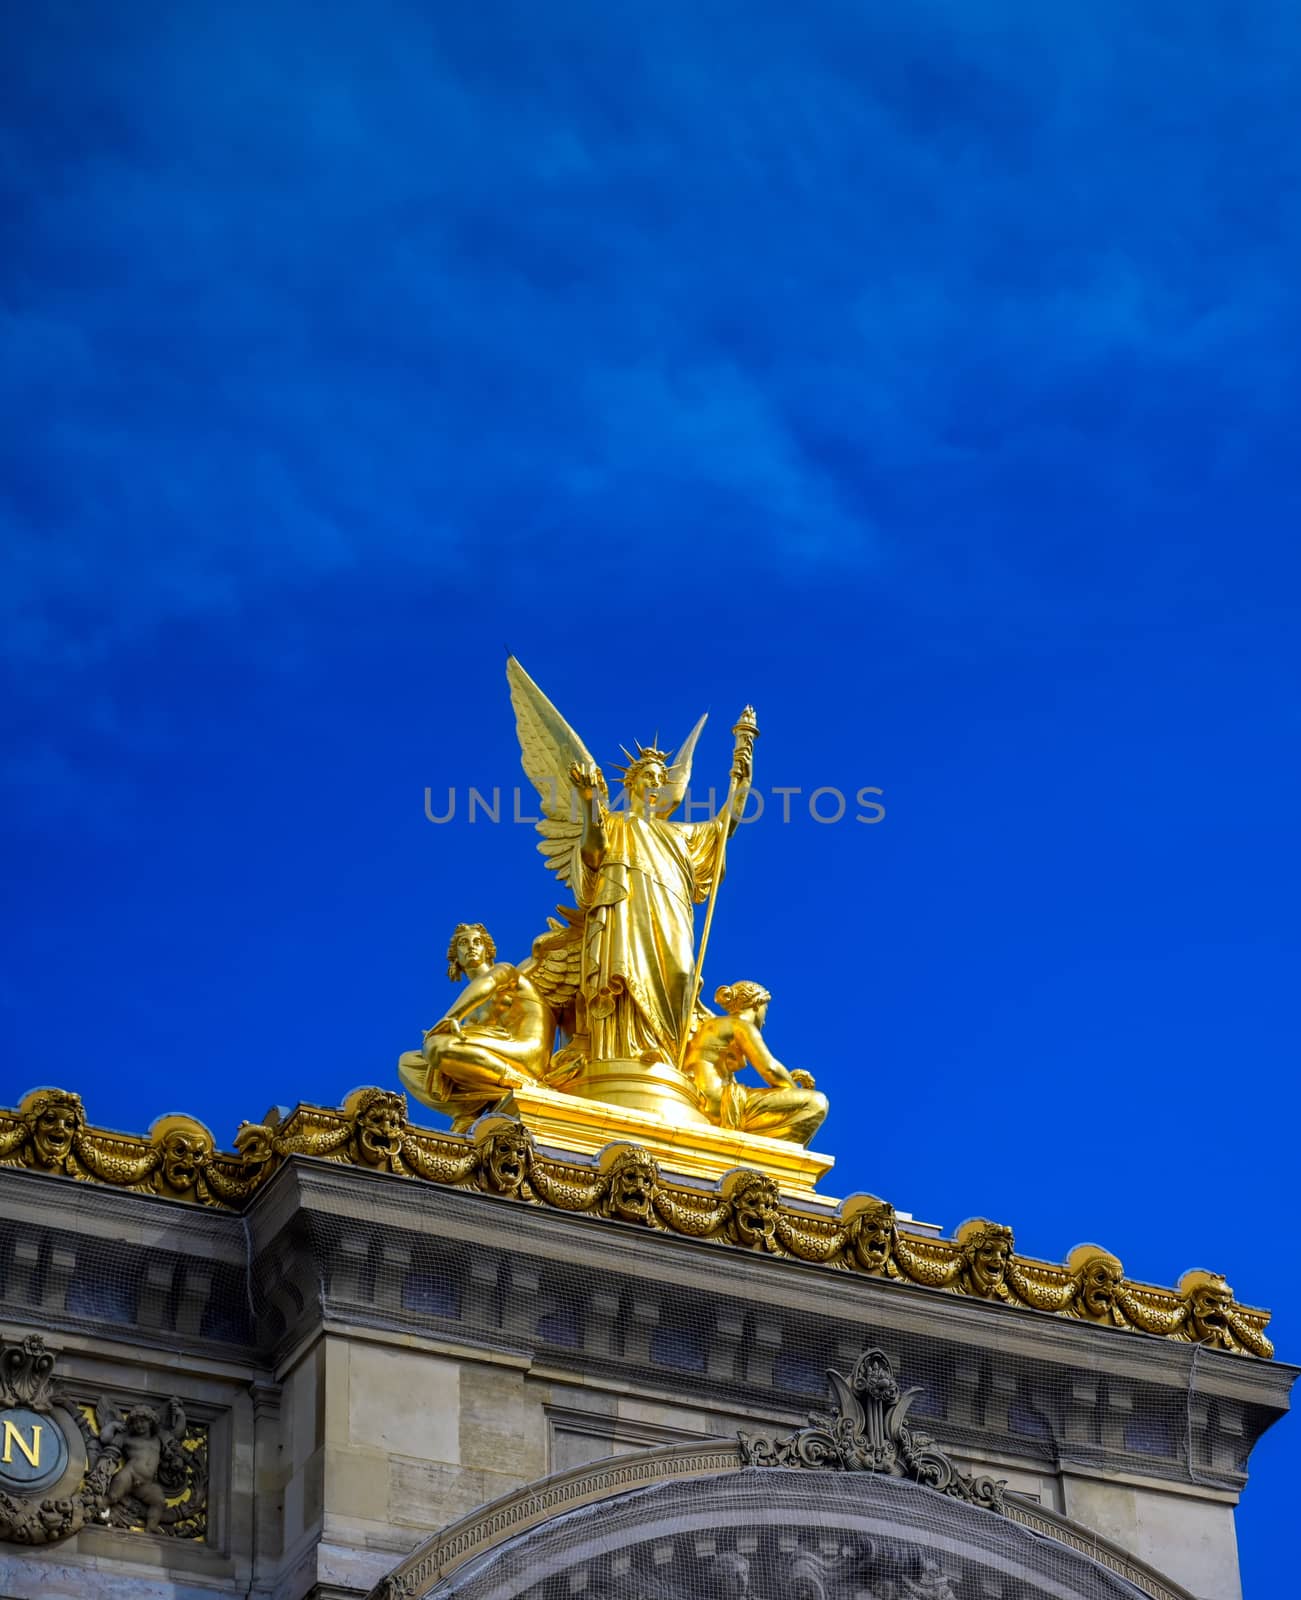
(360, 1376)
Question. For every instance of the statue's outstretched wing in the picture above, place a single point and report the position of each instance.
(549, 747)
(680, 773)
(556, 964)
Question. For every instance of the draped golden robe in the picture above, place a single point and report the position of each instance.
(639, 946)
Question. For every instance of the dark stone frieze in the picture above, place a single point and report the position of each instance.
(685, 1567)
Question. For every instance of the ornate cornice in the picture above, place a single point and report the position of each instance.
(48, 1132)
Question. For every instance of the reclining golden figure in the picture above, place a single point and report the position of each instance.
(789, 1108)
(496, 1036)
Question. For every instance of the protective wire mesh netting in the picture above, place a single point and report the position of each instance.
(996, 1382)
(769, 1534)
(711, 1340)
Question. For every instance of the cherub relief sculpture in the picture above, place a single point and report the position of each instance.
(789, 1108)
(152, 1460)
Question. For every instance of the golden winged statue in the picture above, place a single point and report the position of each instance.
(634, 874)
(606, 1005)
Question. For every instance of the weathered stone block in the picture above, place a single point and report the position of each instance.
(403, 1402)
(503, 1426)
(430, 1494)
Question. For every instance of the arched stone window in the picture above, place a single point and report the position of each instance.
(759, 1533)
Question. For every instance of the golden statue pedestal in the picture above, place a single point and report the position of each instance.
(675, 1134)
(655, 1088)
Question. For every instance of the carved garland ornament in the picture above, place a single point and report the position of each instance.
(65, 1463)
(48, 1133)
(868, 1431)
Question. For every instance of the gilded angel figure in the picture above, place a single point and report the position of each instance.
(635, 874)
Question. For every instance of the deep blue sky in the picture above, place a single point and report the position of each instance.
(925, 375)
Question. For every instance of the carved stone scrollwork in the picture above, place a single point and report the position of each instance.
(26, 1374)
(46, 1490)
(868, 1431)
(48, 1133)
(67, 1464)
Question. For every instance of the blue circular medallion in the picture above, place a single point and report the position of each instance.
(33, 1451)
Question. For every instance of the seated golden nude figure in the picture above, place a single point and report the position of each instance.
(789, 1108)
(495, 1037)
